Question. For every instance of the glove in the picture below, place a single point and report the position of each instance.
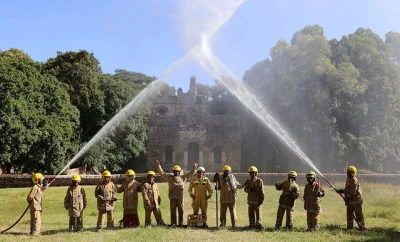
(100, 197)
(66, 206)
(339, 190)
(84, 206)
(159, 200)
(148, 204)
(208, 197)
(193, 196)
(216, 188)
(114, 199)
(261, 201)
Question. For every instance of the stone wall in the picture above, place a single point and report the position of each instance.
(9, 181)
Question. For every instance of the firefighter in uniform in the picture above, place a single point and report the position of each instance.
(106, 196)
(130, 187)
(151, 200)
(75, 203)
(290, 192)
(228, 186)
(353, 199)
(313, 193)
(176, 183)
(202, 192)
(255, 197)
(34, 200)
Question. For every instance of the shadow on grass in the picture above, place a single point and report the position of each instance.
(380, 234)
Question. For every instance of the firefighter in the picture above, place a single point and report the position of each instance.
(228, 186)
(106, 196)
(34, 200)
(313, 192)
(353, 199)
(290, 192)
(176, 183)
(130, 187)
(202, 192)
(255, 197)
(151, 200)
(75, 203)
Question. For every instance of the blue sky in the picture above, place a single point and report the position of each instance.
(144, 36)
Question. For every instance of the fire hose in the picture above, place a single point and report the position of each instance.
(26, 209)
(353, 215)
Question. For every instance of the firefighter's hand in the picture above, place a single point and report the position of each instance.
(216, 188)
(196, 164)
(157, 162)
(114, 199)
(193, 196)
(148, 204)
(208, 197)
(84, 206)
(100, 197)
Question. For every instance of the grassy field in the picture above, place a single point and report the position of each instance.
(381, 211)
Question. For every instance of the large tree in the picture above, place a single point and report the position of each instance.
(38, 123)
(338, 99)
(81, 72)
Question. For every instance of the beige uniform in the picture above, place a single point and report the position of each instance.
(255, 189)
(34, 199)
(290, 192)
(176, 186)
(130, 201)
(228, 186)
(354, 200)
(106, 206)
(202, 192)
(75, 201)
(312, 204)
(151, 204)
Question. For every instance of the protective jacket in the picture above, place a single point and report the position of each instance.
(312, 198)
(201, 188)
(353, 192)
(130, 190)
(151, 194)
(290, 192)
(228, 186)
(175, 183)
(108, 193)
(255, 189)
(34, 198)
(75, 200)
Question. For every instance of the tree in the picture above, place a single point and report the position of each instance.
(81, 72)
(38, 122)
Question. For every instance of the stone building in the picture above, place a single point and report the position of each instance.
(181, 131)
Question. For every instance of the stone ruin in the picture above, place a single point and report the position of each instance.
(181, 131)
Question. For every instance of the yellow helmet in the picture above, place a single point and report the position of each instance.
(76, 178)
(252, 169)
(311, 173)
(130, 172)
(176, 168)
(151, 173)
(36, 177)
(292, 173)
(352, 170)
(106, 174)
(226, 168)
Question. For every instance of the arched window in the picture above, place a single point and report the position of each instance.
(168, 154)
(193, 150)
(217, 154)
(163, 110)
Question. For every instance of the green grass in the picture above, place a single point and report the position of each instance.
(381, 211)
